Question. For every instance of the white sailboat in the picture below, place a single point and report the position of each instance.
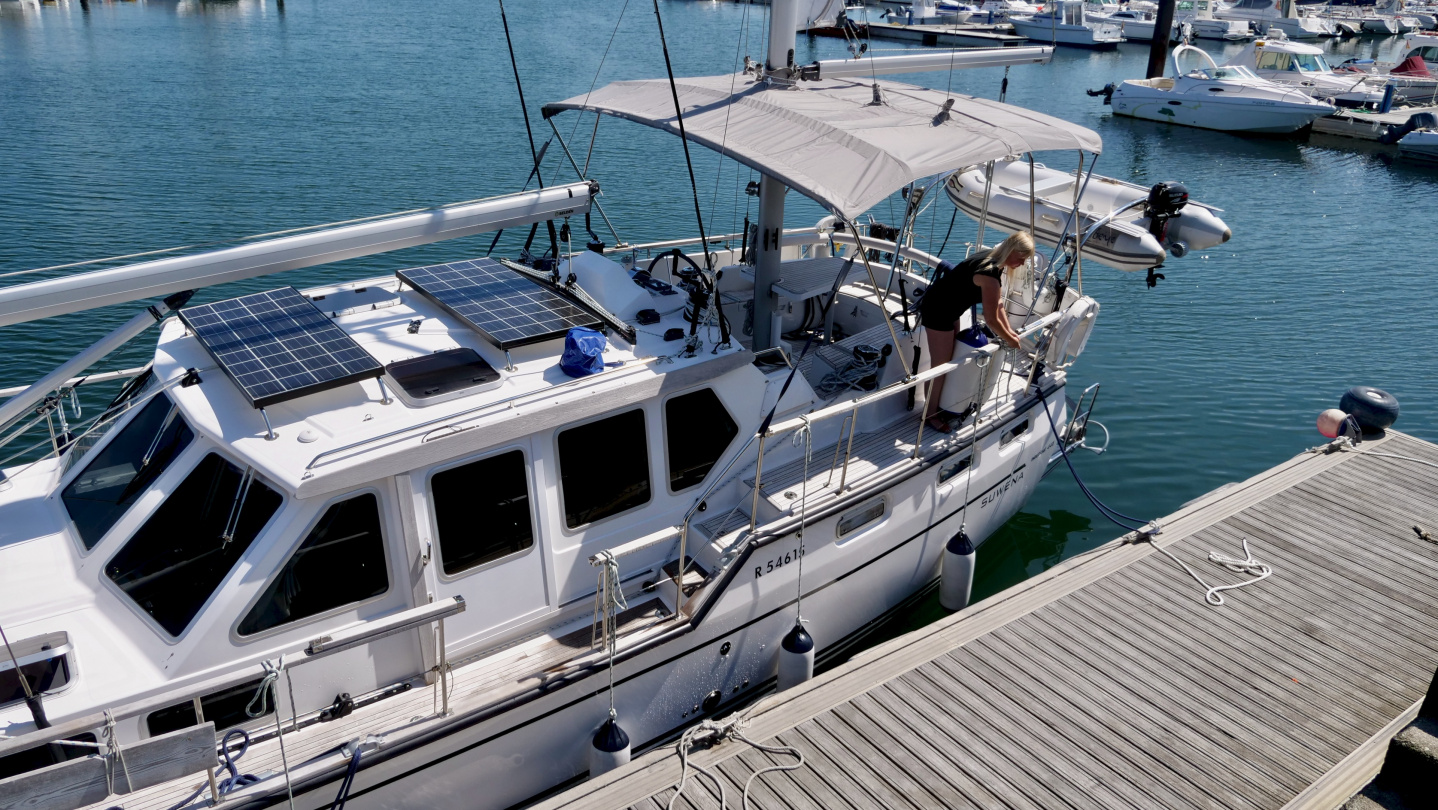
(380, 536)
(1065, 22)
(1231, 99)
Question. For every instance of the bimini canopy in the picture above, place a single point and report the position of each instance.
(828, 139)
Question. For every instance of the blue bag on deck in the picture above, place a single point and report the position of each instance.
(583, 352)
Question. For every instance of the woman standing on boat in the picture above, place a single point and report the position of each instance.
(956, 290)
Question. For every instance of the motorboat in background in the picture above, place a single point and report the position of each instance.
(1193, 16)
(1420, 145)
(1282, 15)
(1304, 68)
(1064, 22)
(1230, 99)
(1414, 75)
(1124, 225)
(1003, 10)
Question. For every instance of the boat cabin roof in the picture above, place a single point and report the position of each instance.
(469, 390)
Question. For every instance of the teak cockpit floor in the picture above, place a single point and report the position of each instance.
(1108, 682)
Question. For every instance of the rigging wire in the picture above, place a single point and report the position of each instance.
(724, 138)
(683, 139)
(528, 130)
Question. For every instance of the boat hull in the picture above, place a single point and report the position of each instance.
(1268, 117)
(475, 761)
(1106, 38)
(1421, 145)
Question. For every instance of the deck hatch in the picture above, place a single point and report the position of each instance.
(505, 308)
(277, 345)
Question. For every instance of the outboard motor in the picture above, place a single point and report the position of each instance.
(1393, 134)
(1106, 91)
(1165, 201)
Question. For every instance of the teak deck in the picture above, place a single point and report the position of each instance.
(1107, 682)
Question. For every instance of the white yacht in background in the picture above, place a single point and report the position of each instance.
(1194, 16)
(1304, 68)
(1230, 99)
(1280, 15)
(1002, 10)
(1065, 22)
(453, 535)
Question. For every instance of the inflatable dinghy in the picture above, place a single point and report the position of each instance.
(1137, 239)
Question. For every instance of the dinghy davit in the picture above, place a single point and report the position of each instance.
(1132, 240)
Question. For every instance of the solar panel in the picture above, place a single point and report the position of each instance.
(277, 345)
(504, 307)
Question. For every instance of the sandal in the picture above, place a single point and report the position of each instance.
(939, 423)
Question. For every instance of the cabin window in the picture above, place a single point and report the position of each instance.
(496, 488)
(604, 468)
(861, 517)
(44, 672)
(117, 476)
(951, 468)
(184, 551)
(1273, 61)
(698, 430)
(225, 708)
(339, 563)
(43, 756)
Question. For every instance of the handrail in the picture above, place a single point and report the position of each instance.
(903, 385)
(362, 633)
(85, 379)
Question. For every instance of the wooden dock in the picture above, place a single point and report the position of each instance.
(1108, 682)
(945, 36)
(1365, 125)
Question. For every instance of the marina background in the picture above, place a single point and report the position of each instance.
(128, 127)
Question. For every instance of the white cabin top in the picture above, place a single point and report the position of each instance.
(332, 439)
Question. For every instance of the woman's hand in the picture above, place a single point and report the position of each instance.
(994, 313)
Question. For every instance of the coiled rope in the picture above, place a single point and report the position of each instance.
(713, 732)
(235, 780)
(847, 378)
(1213, 594)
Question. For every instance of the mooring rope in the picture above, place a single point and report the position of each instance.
(713, 732)
(611, 602)
(1213, 594)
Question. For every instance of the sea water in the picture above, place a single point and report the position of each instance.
(133, 126)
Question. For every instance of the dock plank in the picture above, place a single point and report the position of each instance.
(1108, 681)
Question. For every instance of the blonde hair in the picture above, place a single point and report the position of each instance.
(1019, 244)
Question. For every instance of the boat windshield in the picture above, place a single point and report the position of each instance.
(1310, 63)
(1227, 72)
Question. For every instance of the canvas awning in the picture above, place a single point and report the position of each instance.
(828, 140)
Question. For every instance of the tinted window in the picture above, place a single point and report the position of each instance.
(498, 489)
(341, 561)
(183, 552)
(698, 431)
(604, 468)
(225, 709)
(118, 475)
(43, 756)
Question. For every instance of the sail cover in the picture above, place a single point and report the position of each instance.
(828, 139)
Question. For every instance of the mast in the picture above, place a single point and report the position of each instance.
(783, 21)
